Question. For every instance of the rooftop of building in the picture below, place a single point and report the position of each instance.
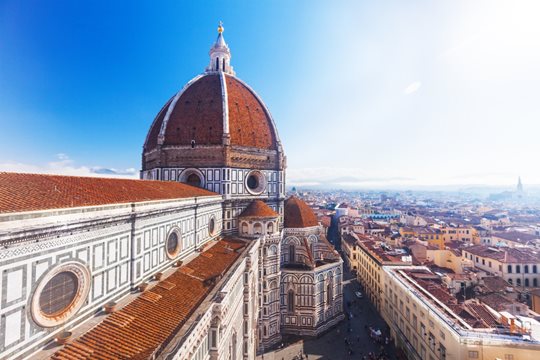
(259, 208)
(472, 315)
(384, 253)
(421, 230)
(430, 286)
(298, 214)
(505, 254)
(32, 192)
(516, 236)
(145, 325)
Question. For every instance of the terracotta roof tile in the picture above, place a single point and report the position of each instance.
(249, 124)
(258, 208)
(30, 192)
(198, 115)
(298, 214)
(142, 327)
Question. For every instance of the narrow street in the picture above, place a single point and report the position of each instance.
(351, 338)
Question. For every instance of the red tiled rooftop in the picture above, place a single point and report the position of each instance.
(298, 214)
(198, 115)
(146, 324)
(258, 208)
(30, 192)
(505, 254)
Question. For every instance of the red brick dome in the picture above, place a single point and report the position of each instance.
(210, 106)
(258, 208)
(298, 214)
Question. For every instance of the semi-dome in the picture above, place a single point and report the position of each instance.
(259, 209)
(298, 214)
(210, 109)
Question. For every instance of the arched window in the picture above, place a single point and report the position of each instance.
(217, 64)
(510, 281)
(257, 229)
(270, 228)
(518, 269)
(518, 282)
(193, 180)
(244, 228)
(193, 144)
(535, 269)
(509, 269)
(535, 282)
(526, 269)
(223, 64)
(292, 253)
(290, 301)
(329, 293)
(527, 282)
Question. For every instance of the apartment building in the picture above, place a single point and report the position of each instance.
(372, 256)
(520, 267)
(427, 322)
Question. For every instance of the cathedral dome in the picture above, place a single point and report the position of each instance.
(216, 120)
(298, 214)
(211, 109)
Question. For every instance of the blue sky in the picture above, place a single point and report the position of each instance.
(373, 93)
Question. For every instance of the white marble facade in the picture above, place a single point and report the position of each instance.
(232, 184)
(119, 246)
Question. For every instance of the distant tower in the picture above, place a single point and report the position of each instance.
(519, 186)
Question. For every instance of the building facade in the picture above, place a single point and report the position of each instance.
(520, 267)
(426, 322)
(201, 259)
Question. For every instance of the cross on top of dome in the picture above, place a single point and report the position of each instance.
(220, 55)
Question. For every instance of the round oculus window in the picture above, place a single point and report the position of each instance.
(255, 182)
(59, 294)
(193, 180)
(192, 176)
(173, 244)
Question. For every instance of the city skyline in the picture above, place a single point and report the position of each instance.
(394, 105)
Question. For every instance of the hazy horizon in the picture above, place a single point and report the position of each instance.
(369, 95)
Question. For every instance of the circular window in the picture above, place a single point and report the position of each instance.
(192, 176)
(193, 180)
(60, 293)
(212, 226)
(173, 244)
(255, 182)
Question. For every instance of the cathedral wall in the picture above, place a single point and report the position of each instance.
(227, 181)
(232, 184)
(108, 250)
(269, 324)
(317, 299)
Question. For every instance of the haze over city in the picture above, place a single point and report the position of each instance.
(366, 94)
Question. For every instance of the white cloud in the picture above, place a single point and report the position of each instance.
(64, 165)
(412, 88)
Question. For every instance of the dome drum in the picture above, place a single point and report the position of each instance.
(212, 156)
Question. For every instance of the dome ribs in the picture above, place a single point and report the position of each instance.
(249, 124)
(198, 115)
(152, 138)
